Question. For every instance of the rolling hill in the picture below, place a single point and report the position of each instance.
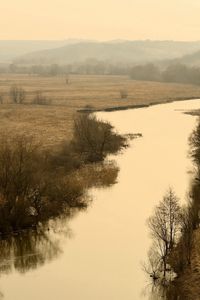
(9, 49)
(190, 59)
(118, 51)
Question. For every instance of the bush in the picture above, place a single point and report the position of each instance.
(17, 94)
(94, 139)
(40, 99)
(31, 191)
(64, 159)
(123, 94)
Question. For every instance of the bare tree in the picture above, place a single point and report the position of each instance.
(123, 94)
(17, 94)
(14, 93)
(165, 225)
(31, 189)
(1, 99)
(21, 95)
(187, 232)
(153, 265)
(67, 80)
(94, 139)
(194, 141)
(41, 99)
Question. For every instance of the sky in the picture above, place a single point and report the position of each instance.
(100, 19)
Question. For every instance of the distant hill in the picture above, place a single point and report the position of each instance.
(10, 49)
(189, 59)
(135, 52)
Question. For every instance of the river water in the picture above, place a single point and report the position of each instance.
(100, 255)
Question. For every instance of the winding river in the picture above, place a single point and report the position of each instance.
(99, 257)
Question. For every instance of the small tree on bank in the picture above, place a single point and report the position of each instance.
(194, 141)
(164, 226)
(94, 139)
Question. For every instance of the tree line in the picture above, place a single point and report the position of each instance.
(178, 73)
(89, 67)
(172, 72)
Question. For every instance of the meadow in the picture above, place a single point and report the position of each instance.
(53, 122)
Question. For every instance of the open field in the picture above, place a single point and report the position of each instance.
(53, 123)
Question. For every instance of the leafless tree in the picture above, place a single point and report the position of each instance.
(165, 225)
(153, 265)
(14, 93)
(31, 189)
(67, 80)
(123, 94)
(17, 94)
(187, 237)
(94, 139)
(1, 99)
(194, 141)
(41, 99)
(21, 95)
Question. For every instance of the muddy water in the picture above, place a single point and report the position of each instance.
(100, 256)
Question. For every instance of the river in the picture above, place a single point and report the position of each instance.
(99, 257)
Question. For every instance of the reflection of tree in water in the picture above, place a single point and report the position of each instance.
(28, 250)
(166, 291)
(32, 248)
(154, 291)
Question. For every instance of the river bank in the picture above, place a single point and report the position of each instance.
(173, 259)
(53, 122)
(186, 285)
(136, 106)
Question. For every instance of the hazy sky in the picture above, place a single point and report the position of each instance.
(100, 19)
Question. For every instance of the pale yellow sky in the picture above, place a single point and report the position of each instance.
(100, 19)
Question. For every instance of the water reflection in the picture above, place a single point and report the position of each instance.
(157, 290)
(31, 249)
(154, 291)
(27, 250)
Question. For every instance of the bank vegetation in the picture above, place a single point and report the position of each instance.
(39, 184)
(173, 259)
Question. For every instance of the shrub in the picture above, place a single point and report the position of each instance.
(123, 94)
(94, 139)
(40, 99)
(31, 191)
(17, 94)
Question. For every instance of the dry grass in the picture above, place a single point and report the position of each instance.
(53, 123)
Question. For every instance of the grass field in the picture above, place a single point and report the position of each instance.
(53, 123)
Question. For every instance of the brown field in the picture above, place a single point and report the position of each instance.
(53, 123)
